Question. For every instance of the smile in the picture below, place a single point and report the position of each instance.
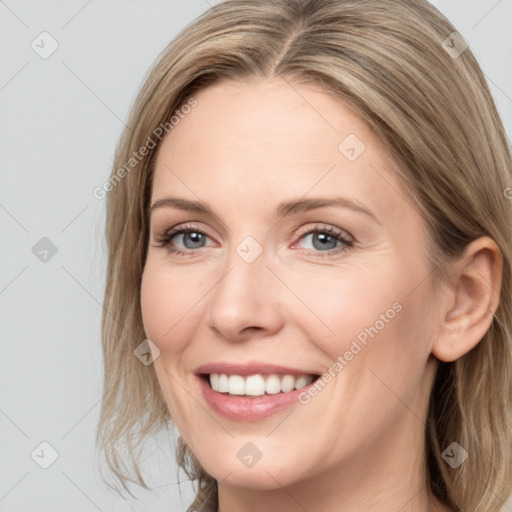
(257, 384)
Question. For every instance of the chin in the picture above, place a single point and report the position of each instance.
(258, 474)
(257, 478)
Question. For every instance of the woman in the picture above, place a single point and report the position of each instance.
(313, 242)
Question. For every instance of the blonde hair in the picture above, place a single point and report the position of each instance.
(432, 109)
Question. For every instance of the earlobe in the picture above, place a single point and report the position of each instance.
(472, 301)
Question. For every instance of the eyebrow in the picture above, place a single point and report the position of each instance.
(283, 209)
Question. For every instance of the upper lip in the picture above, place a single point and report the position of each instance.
(249, 368)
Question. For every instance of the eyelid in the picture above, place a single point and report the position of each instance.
(346, 242)
(164, 239)
(320, 226)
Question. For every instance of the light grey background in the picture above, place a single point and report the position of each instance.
(61, 118)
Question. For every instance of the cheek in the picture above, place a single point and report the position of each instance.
(370, 319)
(167, 306)
(357, 305)
(168, 318)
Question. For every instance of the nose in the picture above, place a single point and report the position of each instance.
(245, 302)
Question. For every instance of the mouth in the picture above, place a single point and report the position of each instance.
(258, 384)
(253, 390)
(254, 397)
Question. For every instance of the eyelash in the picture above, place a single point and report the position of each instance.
(165, 239)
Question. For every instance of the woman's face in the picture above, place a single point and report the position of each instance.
(312, 258)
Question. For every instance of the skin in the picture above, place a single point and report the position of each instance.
(358, 445)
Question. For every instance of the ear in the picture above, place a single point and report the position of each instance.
(472, 300)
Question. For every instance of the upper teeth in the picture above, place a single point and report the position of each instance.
(256, 385)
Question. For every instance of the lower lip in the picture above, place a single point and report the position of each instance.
(244, 408)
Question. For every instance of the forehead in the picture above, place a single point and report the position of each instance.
(262, 140)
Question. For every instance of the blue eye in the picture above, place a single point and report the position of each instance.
(189, 238)
(326, 240)
(322, 241)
